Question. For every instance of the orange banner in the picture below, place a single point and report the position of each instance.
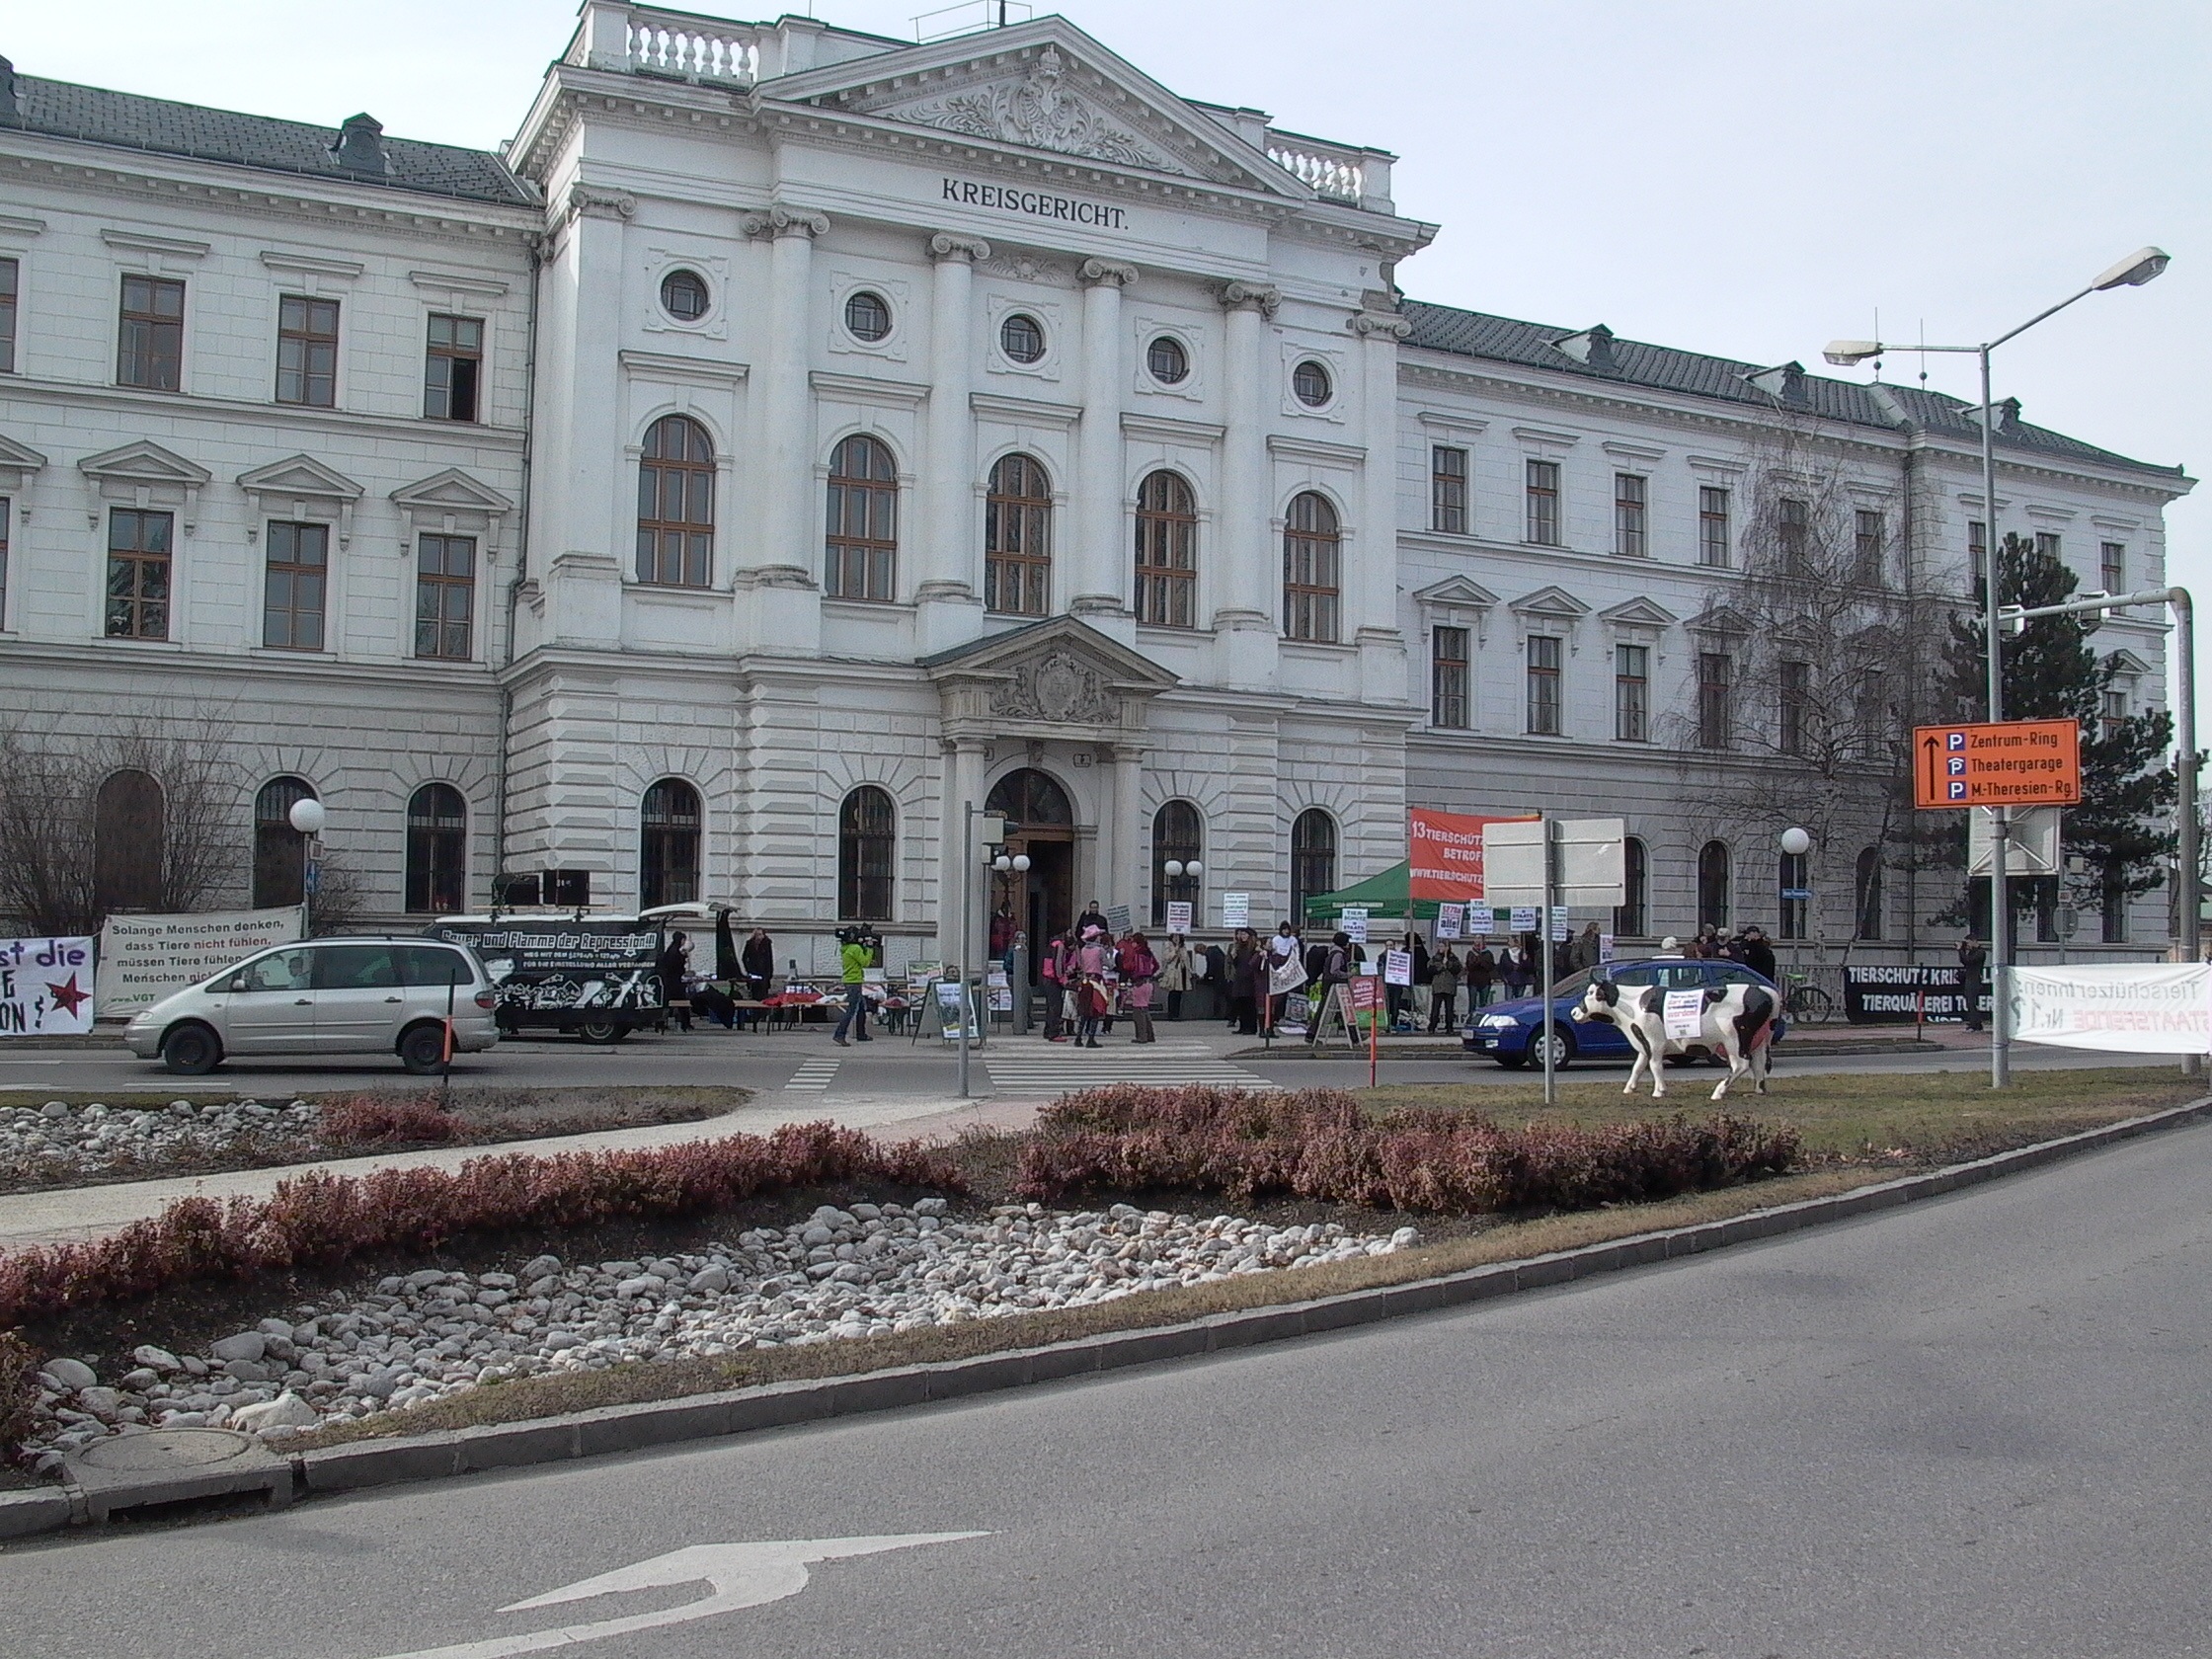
(1445, 855)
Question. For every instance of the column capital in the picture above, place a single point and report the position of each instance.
(945, 245)
(780, 220)
(1384, 325)
(1098, 272)
(586, 203)
(1255, 296)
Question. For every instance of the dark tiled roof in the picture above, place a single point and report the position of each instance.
(93, 114)
(1476, 334)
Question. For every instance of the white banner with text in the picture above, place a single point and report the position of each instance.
(143, 958)
(2130, 1007)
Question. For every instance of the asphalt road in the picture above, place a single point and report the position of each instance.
(1973, 1427)
(886, 1066)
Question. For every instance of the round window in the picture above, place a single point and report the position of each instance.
(868, 315)
(1310, 381)
(1169, 363)
(1022, 338)
(683, 295)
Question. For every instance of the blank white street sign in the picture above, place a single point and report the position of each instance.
(1593, 873)
(2034, 841)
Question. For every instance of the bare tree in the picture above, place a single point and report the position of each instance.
(54, 850)
(1807, 682)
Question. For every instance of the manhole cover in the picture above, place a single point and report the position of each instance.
(165, 1449)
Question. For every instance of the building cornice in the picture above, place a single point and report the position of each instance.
(293, 420)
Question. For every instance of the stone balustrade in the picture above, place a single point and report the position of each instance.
(641, 40)
(1337, 172)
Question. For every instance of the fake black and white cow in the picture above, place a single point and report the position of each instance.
(1733, 1021)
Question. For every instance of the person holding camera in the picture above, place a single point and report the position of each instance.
(855, 957)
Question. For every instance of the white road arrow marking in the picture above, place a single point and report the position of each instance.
(741, 1575)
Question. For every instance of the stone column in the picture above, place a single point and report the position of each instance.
(582, 561)
(1121, 843)
(1099, 574)
(964, 783)
(1248, 584)
(784, 573)
(1371, 586)
(946, 540)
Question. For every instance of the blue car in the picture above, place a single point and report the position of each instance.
(1509, 1032)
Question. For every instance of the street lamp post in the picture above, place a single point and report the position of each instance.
(2187, 851)
(2133, 272)
(308, 818)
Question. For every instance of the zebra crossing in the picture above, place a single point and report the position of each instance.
(1030, 1065)
(813, 1075)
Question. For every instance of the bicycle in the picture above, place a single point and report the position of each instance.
(1805, 1000)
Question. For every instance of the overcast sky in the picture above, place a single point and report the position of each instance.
(1730, 176)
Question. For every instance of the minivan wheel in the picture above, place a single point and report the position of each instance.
(422, 1049)
(602, 1032)
(191, 1051)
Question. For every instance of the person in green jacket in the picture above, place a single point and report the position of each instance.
(855, 959)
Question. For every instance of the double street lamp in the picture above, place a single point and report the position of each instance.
(2133, 272)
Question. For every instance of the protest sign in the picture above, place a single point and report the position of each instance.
(1448, 919)
(46, 987)
(1355, 923)
(1178, 915)
(1397, 968)
(1236, 910)
(143, 958)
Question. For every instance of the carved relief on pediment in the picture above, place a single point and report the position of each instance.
(1042, 111)
(1058, 688)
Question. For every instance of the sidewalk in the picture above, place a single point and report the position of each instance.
(63, 1213)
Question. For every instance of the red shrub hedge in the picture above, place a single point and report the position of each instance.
(1318, 1145)
(19, 1392)
(367, 1120)
(320, 1219)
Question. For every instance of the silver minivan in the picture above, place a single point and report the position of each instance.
(326, 997)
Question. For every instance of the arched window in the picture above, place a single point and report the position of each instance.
(279, 850)
(129, 833)
(676, 504)
(1166, 551)
(668, 844)
(867, 840)
(1795, 879)
(1311, 548)
(1018, 538)
(1312, 859)
(1030, 798)
(862, 557)
(1178, 837)
(1631, 918)
(436, 850)
(1712, 885)
(1866, 909)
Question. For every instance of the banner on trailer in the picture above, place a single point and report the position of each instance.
(143, 958)
(2132, 1008)
(46, 987)
(1445, 854)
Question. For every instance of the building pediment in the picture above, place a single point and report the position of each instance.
(301, 477)
(144, 462)
(1458, 590)
(1720, 619)
(1061, 673)
(18, 461)
(453, 491)
(1042, 85)
(1550, 601)
(1639, 612)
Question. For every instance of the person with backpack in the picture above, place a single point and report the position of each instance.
(1094, 997)
(1139, 969)
(1336, 973)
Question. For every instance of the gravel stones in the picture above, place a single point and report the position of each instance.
(865, 1271)
(59, 1143)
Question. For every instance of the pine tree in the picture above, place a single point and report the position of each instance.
(2121, 827)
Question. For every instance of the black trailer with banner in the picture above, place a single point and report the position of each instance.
(1904, 994)
(590, 976)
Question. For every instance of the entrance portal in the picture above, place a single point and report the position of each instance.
(1041, 900)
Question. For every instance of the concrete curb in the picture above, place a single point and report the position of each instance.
(1791, 1048)
(631, 1428)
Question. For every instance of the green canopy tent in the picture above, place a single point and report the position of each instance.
(1383, 893)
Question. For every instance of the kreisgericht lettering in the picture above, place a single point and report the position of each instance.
(1037, 204)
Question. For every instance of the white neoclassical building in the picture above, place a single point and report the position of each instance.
(794, 437)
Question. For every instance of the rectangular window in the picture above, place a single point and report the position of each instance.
(307, 352)
(10, 282)
(1448, 489)
(150, 343)
(1797, 688)
(1544, 504)
(1712, 527)
(444, 596)
(137, 574)
(1977, 541)
(2111, 567)
(1631, 692)
(1870, 544)
(1629, 494)
(1793, 523)
(2115, 711)
(1543, 684)
(2114, 907)
(2048, 544)
(452, 368)
(1712, 699)
(294, 588)
(1448, 678)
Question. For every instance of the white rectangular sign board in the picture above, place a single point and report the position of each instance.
(46, 987)
(2033, 844)
(1236, 910)
(1355, 923)
(1397, 968)
(1449, 919)
(1592, 868)
(2149, 1007)
(1178, 915)
(143, 958)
